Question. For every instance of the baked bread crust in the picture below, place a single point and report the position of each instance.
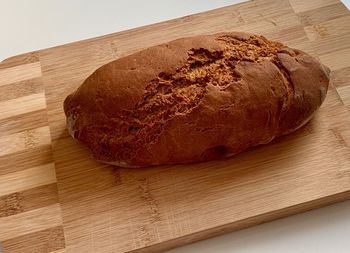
(194, 99)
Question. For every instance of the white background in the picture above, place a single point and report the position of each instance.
(36, 24)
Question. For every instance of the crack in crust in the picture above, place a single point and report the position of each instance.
(287, 81)
(252, 49)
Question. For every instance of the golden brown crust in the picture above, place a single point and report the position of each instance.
(195, 99)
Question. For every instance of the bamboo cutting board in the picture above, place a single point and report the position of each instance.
(55, 198)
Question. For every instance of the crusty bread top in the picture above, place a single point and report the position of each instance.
(129, 109)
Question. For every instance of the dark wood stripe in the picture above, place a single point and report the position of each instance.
(44, 241)
(25, 159)
(23, 122)
(23, 201)
(322, 14)
(19, 60)
(21, 89)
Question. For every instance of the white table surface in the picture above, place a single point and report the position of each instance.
(31, 25)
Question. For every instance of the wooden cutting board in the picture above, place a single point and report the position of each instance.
(55, 198)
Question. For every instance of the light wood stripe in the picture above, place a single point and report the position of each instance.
(332, 98)
(328, 29)
(26, 179)
(20, 73)
(27, 200)
(344, 93)
(20, 123)
(322, 14)
(25, 159)
(22, 105)
(24, 140)
(30, 222)
(48, 240)
(59, 251)
(336, 60)
(21, 89)
(341, 77)
(302, 5)
(19, 60)
(331, 44)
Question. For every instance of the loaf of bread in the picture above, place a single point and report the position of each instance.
(195, 99)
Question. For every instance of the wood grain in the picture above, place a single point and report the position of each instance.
(316, 16)
(99, 208)
(24, 140)
(26, 121)
(30, 199)
(21, 105)
(59, 251)
(344, 93)
(44, 241)
(302, 6)
(329, 30)
(30, 222)
(25, 159)
(30, 215)
(19, 73)
(21, 59)
(336, 60)
(26, 179)
(341, 77)
(21, 89)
